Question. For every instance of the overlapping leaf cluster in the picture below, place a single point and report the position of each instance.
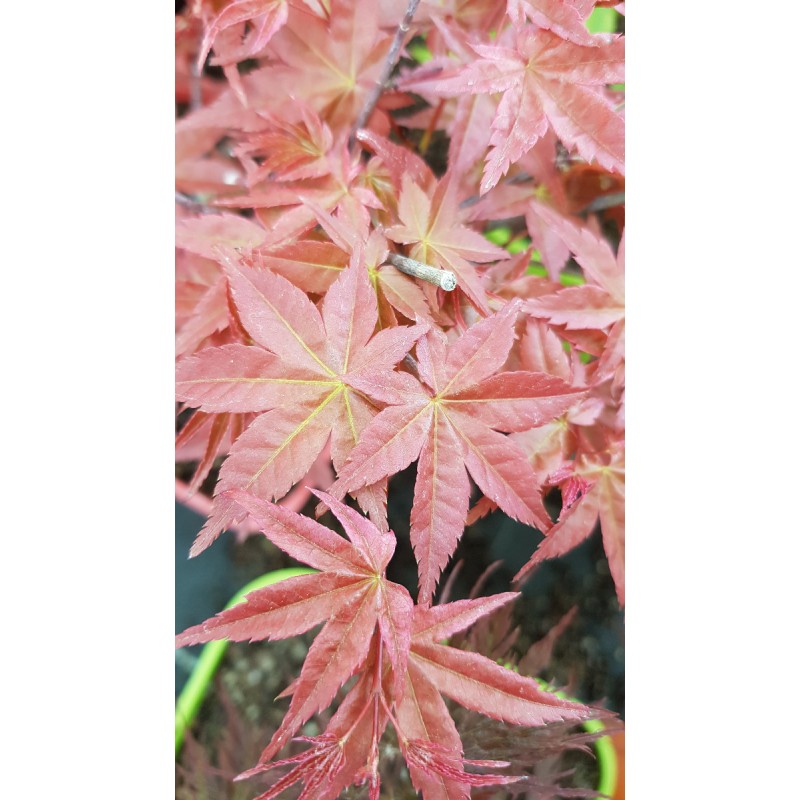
(298, 339)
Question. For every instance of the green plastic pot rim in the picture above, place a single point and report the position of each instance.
(193, 693)
(607, 765)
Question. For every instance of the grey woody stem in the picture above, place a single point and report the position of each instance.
(186, 200)
(388, 66)
(442, 278)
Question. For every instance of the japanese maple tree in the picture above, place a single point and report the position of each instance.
(349, 292)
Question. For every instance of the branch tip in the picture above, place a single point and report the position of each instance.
(442, 278)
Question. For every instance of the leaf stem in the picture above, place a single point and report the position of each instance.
(388, 65)
(195, 85)
(442, 278)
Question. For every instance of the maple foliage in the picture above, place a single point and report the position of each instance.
(433, 225)
(336, 160)
(448, 419)
(547, 82)
(367, 617)
(306, 370)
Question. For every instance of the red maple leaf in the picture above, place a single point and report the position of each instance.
(287, 150)
(282, 208)
(350, 594)
(330, 65)
(546, 82)
(297, 371)
(433, 226)
(391, 286)
(449, 420)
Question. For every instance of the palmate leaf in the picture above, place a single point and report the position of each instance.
(290, 150)
(331, 65)
(546, 82)
(351, 595)
(450, 421)
(390, 285)
(433, 226)
(282, 207)
(297, 371)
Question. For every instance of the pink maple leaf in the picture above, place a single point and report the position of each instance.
(434, 227)
(297, 371)
(546, 82)
(450, 420)
(351, 595)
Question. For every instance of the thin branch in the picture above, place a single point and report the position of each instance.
(186, 200)
(388, 66)
(195, 85)
(442, 278)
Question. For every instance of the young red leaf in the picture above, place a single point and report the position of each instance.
(434, 226)
(332, 66)
(288, 151)
(298, 369)
(546, 81)
(351, 595)
(336, 654)
(441, 424)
